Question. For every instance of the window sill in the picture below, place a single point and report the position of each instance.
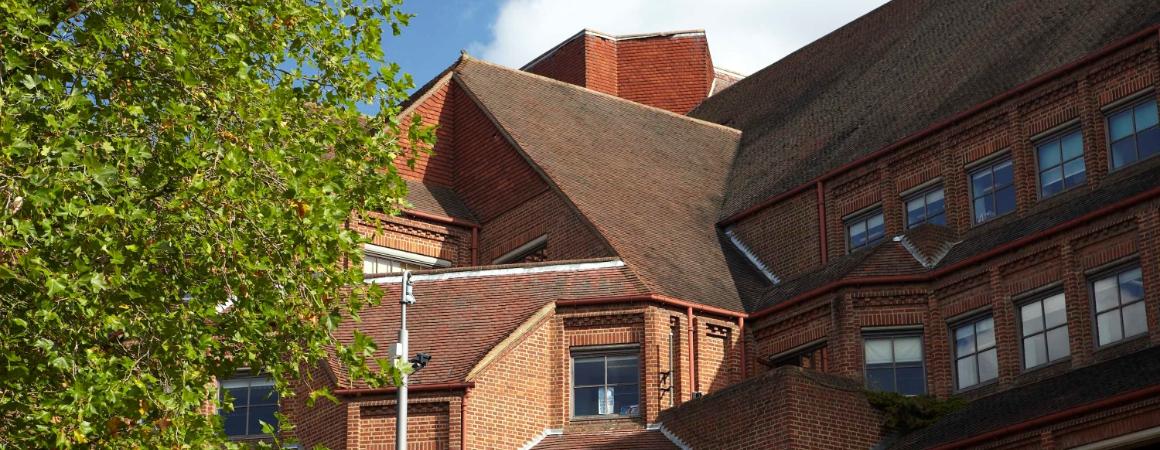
(606, 417)
(974, 389)
(1121, 347)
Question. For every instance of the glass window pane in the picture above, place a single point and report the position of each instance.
(1032, 316)
(623, 370)
(235, 422)
(1074, 173)
(915, 211)
(1004, 174)
(263, 395)
(1131, 286)
(1005, 200)
(1120, 125)
(964, 340)
(1055, 310)
(1123, 152)
(858, 234)
(939, 219)
(981, 183)
(985, 332)
(1148, 142)
(934, 202)
(984, 209)
(588, 372)
(1058, 345)
(261, 414)
(587, 401)
(1106, 292)
(880, 379)
(876, 228)
(1135, 319)
(907, 349)
(626, 400)
(878, 351)
(967, 372)
(1072, 145)
(988, 365)
(1108, 325)
(1145, 115)
(910, 381)
(1049, 155)
(1051, 182)
(1034, 351)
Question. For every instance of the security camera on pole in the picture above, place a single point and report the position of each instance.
(400, 352)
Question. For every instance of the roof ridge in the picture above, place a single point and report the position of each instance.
(707, 123)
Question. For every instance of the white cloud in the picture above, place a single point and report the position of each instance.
(744, 35)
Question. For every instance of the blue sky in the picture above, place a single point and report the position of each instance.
(744, 35)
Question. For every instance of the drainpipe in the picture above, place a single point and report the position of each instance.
(475, 245)
(692, 356)
(741, 340)
(822, 222)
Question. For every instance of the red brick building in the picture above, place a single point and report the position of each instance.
(613, 250)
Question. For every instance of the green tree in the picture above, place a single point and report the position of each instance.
(175, 177)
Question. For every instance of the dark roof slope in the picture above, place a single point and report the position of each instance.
(602, 440)
(650, 181)
(435, 199)
(460, 320)
(895, 71)
(1076, 388)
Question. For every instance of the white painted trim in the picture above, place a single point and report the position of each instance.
(1127, 439)
(752, 257)
(521, 250)
(669, 434)
(540, 437)
(572, 267)
(409, 257)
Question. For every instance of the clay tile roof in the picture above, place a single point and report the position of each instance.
(894, 72)
(929, 243)
(601, 440)
(435, 199)
(1082, 386)
(460, 320)
(650, 181)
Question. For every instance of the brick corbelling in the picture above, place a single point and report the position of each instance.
(451, 243)
(433, 422)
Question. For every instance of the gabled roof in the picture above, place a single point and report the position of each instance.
(650, 181)
(463, 313)
(894, 72)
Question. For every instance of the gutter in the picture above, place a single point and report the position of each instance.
(939, 126)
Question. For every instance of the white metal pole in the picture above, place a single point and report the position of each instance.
(401, 405)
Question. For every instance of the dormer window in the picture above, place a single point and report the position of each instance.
(864, 229)
(382, 260)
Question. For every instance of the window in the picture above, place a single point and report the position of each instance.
(813, 357)
(993, 190)
(606, 384)
(1119, 306)
(976, 360)
(1133, 133)
(383, 260)
(894, 363)
(1060, 163)
(1044, 328)
(254, 400)
(864, 229)
(926, 207)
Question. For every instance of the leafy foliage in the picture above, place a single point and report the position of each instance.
(905, 414)
(175, 177)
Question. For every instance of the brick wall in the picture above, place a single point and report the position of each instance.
(322, 424)
(783, 409)
(567, 63)
(434, 422)
(514, 396)
(569, 237)
(785, 236)
(448, 242)
(435, 108)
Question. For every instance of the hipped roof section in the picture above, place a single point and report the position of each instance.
(648, 180)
